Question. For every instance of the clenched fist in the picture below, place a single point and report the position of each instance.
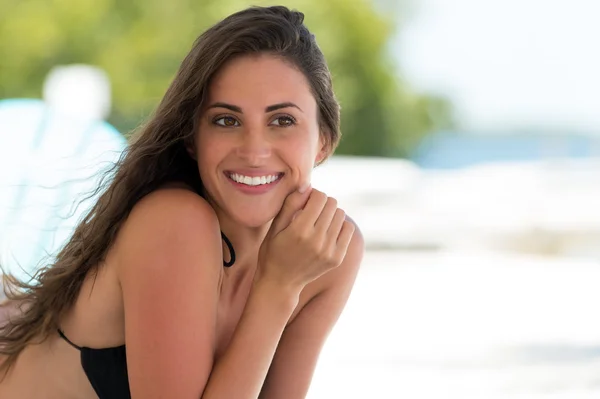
(309, 237)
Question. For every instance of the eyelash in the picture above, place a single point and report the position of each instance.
(220, 117)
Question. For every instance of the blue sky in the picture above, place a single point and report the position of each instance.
(510, 64)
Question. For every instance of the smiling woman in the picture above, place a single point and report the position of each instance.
(261, 121)
(208, 267)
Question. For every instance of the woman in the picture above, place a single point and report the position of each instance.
(209, 267)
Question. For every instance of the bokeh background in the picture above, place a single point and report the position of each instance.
(470, 160)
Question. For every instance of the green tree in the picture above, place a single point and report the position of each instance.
(140, 44)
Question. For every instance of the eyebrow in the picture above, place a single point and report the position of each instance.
(270, 108)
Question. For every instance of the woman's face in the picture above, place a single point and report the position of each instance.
(258, 138)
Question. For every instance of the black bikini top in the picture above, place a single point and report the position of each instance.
(106, 368)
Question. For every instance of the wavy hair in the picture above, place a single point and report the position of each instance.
(157, 155)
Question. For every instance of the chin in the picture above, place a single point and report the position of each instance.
(256, 224)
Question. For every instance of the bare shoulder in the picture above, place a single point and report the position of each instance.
(172, 208)
(168, 223)
(173, 203)
(357, 244)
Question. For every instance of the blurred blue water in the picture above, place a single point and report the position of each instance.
(449, 150)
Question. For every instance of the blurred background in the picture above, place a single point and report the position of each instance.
(470, 160)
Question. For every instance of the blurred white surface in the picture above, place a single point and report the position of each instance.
(549, 207)
(79, 90)
(502, 305)
(466, 325)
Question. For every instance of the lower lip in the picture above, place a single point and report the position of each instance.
(260, 189)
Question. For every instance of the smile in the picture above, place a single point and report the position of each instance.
(254, 181)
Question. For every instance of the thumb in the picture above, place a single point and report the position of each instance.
(292, 204)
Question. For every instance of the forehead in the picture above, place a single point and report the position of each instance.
(259, 81)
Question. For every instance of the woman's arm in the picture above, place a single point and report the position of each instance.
(299, 348)
(309, 237)
(241, 371)
(170, 268)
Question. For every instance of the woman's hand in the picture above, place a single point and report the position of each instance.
(309, 237)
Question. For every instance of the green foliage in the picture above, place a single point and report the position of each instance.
(140, 44)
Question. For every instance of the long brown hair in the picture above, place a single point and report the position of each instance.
(156, 155)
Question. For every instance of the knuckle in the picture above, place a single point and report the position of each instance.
(297, 231)
(332, 202)
(320, 195)
(320, 256)
(334, 260)
(303, 235)
(317, 249)
(328, 257)
(330, 261)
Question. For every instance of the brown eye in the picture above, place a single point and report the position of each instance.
(226, 121)
(284, 121)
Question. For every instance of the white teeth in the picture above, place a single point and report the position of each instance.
(253, 181)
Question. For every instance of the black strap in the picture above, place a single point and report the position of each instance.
(63, 336)
(231, 251)
(226, 264)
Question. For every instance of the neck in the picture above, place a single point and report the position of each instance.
(246, 242)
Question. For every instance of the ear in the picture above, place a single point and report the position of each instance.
(323, 153)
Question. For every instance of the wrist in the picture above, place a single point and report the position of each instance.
(286, 296)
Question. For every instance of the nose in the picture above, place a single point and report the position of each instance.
(254, 147)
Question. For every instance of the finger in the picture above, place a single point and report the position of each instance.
(312, 209)
(294, 202)
(327, 214)
(344, 239)
(336, 225)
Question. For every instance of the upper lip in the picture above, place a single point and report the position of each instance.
(253, 172)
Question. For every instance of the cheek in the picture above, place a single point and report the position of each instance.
(306, 146)
(302, 156)
(207, 159)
